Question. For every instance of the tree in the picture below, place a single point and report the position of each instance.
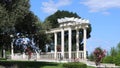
(12, 10)
(91, 57)
(113, 52)
(59, 14)
(52, 21)
(15, 16)
(118, 48)
(114, 55)
(27, 24)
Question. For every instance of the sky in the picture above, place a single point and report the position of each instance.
(104, 17)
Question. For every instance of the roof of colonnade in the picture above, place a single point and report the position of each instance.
(69, 22)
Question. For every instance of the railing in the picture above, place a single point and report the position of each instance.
(49, 55)
(19, 56)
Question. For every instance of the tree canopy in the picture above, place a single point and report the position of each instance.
(10, 11)
(16, 17)
(52, 19)
(27, 24)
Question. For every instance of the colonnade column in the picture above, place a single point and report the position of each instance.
(84, 40)
(12, 52)
(55, 45)
(77, 43)
(62, 43)
(70, 41)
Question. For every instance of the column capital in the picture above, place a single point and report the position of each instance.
(84, 26)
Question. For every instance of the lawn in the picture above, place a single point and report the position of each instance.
(60, 66)
(32, 64)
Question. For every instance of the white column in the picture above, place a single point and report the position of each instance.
(77, 43)
(37, 55)
(12, 50)
(62, 43)
(55, 45)
(24, 55)
(4, 53)
(84, 40)
(70, 41)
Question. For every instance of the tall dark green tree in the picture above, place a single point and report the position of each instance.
(27, 24)
(52, 21)
(12, 10)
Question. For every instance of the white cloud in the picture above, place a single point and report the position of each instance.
(51, 6)
(101, 5)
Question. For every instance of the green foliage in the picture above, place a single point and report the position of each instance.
(108, 59)
(114, 56)
(74, 65)
(113, 51)
(26, 64)
(47, 25)
(118, 48)
(59, 14)
(116, 59)
(10, 11)
(3, 59)
(27, 24)
(91, 57)
(34, 64)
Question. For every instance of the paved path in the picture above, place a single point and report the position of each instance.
(90, 63)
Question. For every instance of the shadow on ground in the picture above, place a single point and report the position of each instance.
(25, 64)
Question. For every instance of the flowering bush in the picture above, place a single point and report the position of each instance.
(99, 54)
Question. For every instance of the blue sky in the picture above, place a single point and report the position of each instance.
(104, 16)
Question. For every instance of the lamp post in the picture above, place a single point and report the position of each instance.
(12, 52)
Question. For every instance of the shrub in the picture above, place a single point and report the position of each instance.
(99, 54)
(116, 60)
(108, 59)
(74, 65)
(2, 58)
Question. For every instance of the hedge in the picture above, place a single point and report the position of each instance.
(26, 64)
(74, 65)
(3, 59)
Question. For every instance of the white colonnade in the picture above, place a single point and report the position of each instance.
(69, 24)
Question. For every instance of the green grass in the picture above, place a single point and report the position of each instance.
(61, 67)
(32, 64)
(90, 67)
(58, 66)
